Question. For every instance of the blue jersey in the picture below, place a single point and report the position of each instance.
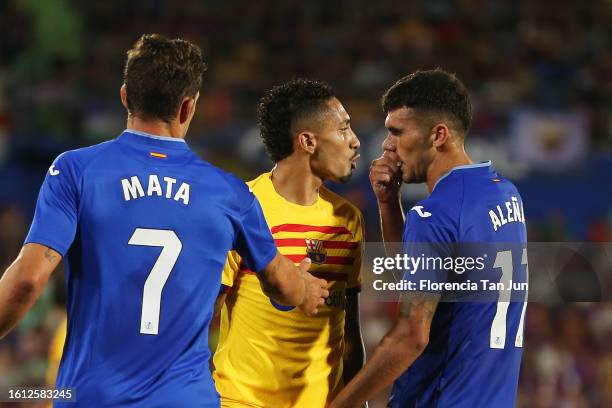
(144, 227)
(474, 352)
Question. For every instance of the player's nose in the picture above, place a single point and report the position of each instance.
(390, 143)
(355, 143)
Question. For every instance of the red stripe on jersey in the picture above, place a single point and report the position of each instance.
(328, 276)
(308, 228)
(301, 242)
(329, 260)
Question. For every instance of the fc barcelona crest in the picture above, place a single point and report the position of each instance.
(315, 251)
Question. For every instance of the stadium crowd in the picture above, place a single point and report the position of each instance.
(59, 67)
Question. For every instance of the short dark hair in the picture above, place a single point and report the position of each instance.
(432, 92)
(283, 107)
(159, 73)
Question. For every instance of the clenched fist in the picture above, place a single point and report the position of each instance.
(315, 290)
(386, 177)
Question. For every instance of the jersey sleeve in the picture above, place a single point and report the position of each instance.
(55, 219)
(429, 242)
(254, 242)
(230, 270)
(354, 279)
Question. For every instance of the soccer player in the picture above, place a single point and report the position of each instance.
(274, 356)
(144, 227)
(443, 354)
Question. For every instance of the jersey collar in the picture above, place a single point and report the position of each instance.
(486, 164)
(147, 139)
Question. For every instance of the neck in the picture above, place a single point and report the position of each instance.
(295, 182)
(442, 164)
(154, 127)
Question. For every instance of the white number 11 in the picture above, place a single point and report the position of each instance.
(503, 260)
(151, 294)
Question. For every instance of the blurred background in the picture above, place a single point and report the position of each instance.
(539, 74)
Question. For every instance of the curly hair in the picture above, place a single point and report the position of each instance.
(434, 92)
(159, 73)
(284, 107)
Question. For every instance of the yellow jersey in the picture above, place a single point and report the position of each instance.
(271, 355)
(56, 348)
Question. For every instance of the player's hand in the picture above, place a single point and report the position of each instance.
(315, 290)
(386, 177)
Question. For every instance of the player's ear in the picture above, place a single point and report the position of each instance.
(187, 108)
(307, 141)
(439, 135)
(123, 93)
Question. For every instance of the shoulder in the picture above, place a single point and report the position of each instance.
(342, 208)
(214, 174)
(508, 186)
(74, 162)
(430, 223)
(233, 184)
(237, 194)
(339, 203)
(228, 189)
(442, 207)
(436, 218)
(258, 182)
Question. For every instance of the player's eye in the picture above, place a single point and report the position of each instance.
(343, 132)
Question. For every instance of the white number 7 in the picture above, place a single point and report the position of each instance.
(151, 294)
(503, 260)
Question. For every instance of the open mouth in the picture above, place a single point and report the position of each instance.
(354, 161)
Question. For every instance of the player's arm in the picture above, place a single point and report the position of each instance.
(228, 276)
(219, 305)
(409, 337)
(230, 272)
(394, 354)
(354, 354)
(385, 177)
(289, 285)
(52, 231)
(23, 282)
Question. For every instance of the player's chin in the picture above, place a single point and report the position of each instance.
(346, 178)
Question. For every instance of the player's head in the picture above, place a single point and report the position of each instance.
(303, 119)
(162, 79)
(428, 114)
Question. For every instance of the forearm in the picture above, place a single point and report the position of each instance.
(18, 292)
(391, 220)
(283, 282)
(390, 359)
(354, 354)
(395, 353)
